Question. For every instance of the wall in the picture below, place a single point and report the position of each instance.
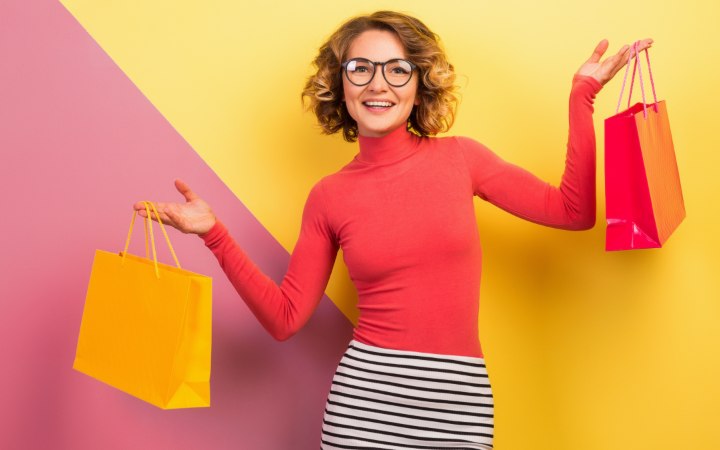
(586, 349)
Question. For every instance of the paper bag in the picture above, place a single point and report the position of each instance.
(644, 202)
(147, 328)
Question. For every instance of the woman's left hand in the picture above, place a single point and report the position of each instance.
(603, 71)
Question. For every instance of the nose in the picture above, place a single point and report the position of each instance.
(378, 83)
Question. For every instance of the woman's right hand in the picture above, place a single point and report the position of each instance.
(193, 216)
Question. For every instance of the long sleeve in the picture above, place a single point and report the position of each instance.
(571, 205)
(282, 309)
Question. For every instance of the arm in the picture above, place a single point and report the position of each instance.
(282, 309)
(569, 206)
(572, 204)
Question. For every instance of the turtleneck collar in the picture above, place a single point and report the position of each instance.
(393, 147)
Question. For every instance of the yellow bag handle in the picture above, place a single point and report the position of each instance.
(148, 227)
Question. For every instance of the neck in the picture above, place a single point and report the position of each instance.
(394, 146)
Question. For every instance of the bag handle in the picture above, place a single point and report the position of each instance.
(148, 227)
(636, 66)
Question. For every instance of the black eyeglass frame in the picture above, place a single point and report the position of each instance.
(344, 65)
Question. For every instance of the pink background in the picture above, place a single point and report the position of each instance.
(79, 145)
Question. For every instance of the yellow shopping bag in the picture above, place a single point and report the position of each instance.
(147, 327)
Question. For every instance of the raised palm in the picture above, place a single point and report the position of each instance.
(193, 216)
(604, 71)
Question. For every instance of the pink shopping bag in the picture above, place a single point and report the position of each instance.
(644, 202)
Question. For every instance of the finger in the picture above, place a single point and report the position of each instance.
(140, 206)
(161, 208)
(185, 190)
(640, 45)
(166, 211)
(622, 57)
(624, 53)
(616, 63)
(644, 44)
(600, 50)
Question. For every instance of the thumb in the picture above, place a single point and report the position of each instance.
(600, 50)
(184, 189)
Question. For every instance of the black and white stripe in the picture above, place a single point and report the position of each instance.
(393, 399)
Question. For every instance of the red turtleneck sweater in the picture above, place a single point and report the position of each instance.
(402, 212)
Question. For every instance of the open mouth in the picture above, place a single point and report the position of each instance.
(378, 105)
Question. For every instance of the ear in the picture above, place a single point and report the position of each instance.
(417, 100)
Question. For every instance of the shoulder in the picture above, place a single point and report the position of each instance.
(317, 191)
(456, 143)
(329, 190)
(463, 147)
(465, 143)
(328, 184)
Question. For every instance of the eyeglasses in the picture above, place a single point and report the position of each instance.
(361, 71)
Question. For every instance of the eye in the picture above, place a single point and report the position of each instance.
(359, 66)
(398, 67)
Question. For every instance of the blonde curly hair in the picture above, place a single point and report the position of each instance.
(323, 92)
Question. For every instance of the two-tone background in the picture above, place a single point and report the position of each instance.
(103, 103)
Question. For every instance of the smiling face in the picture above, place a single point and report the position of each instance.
(377, 107)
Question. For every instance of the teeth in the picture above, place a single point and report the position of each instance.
(378, 103)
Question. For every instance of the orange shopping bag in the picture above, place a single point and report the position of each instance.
(644, 202)
(147, 327)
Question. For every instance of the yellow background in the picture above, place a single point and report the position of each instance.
(587, 350)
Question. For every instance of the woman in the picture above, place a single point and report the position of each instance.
(402, 211)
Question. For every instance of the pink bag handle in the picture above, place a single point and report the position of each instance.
(636, 66)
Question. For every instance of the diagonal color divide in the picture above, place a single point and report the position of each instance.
(228, 76)
(80, 143)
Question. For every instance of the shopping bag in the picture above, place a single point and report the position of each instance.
(146, 327)
(644, 202)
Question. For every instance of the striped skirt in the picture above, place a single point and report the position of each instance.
(394, 399)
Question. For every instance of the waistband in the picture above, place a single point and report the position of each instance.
(408, 354)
